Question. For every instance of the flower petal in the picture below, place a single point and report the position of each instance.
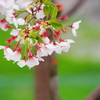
(21, 63)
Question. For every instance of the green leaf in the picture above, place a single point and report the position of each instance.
(45, 10)
(20, 11)
(54, 13)
(56, 23)
(33, 33)
(50, 9)
(38, 38)
(46, 2)
(36, 0)
(34, 40)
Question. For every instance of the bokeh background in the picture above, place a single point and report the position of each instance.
(78, 70)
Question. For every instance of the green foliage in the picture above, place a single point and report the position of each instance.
(54, 13)
(39, 39)
(51, 10)
(46, 2)
(46, 11)
(33, 33)
(56, 23)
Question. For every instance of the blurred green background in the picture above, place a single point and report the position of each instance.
(78, 70)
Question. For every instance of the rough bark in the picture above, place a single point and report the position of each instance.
(95, 95)
(46, 77)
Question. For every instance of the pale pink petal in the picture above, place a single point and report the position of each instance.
(50, 48)
(70, 41)
(7, 3)
(42, 30)
(31, 62)
(28, 10)
(58, 49)
(16, 56)
(21, 63)
(23, 3)
(15, 22)
(41, 53)
(9, 19)
(20, 21)
(40, 13)
(16, 7)
(8, 53)
(74, 32)
(14, 32)
(76, 24)
(46, 40)
(2, 47)
(39, 58)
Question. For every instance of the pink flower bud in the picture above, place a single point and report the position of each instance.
(65, 17)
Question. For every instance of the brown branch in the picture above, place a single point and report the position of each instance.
(95, 95)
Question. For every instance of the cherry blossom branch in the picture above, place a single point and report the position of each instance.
(31, 31)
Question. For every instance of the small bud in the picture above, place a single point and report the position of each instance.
(7, 26)
(65, 17)
(60, 7)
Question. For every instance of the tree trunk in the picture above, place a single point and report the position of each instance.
(95, 95)
(46, 73)
(46, 79)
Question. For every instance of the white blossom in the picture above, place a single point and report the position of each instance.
(14, 32)
(32, 61)
(75, 26)
(2, 24)
(40, 13)
(63, 46)
(50, 48)
(46, 40)
(21, 63)
(41, 52)
(23, 3)
(39, 58)
(42, 30)
(7, 52)
(20, 21)
(16, 56)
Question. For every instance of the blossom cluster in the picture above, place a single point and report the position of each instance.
(29, 41)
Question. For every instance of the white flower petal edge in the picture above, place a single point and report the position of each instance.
(23, 3)
(20, 21)
(75, 26)
(31, 62)
(40, 13)
(63, 46)
(2, 47)
(16, 56)
(21, 63)
(14, 32)
(7, 52)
